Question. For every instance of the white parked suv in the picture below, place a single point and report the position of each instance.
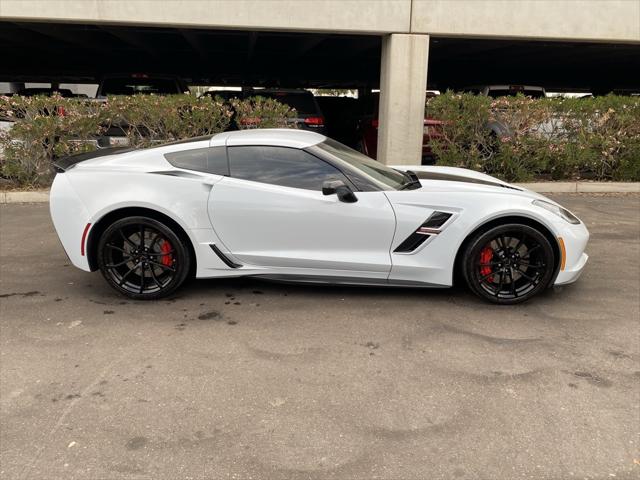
(495, 91)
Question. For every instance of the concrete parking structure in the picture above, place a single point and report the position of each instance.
(243, 379)
(399, 45)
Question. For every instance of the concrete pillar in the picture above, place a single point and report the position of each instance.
(403, 86)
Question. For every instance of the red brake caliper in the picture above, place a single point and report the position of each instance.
(485, 257)
(166, 249)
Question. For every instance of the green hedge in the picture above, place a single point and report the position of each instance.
(261, 112)
(549, 138)
(46, 128)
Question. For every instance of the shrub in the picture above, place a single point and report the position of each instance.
(261, 112)
(465, 139)
(152, 119)
(552, 138)
(44, 128)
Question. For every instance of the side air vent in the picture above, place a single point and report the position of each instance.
(227, 261)
(431, 226)
(412, 242)
(436, 220)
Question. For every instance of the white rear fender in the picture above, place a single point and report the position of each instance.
(183, 200)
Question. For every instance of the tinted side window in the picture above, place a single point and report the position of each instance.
(288, 167)
(208, 160)
(218, 163)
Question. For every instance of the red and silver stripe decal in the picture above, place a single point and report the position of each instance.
(428, 231)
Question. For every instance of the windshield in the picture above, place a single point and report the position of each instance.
(383, 177)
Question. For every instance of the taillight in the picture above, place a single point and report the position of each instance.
(432, 128)
(314, 121)
(375, 123)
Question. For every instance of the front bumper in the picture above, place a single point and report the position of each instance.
(575, 239)
(567, 276)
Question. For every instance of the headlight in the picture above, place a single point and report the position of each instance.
(558, 210)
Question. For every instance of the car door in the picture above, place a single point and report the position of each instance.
(271, 212)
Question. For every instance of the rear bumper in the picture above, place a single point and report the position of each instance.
(70, 220)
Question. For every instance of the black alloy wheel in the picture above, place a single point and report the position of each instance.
(508, 264)
(143, 258)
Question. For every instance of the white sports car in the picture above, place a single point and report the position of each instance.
(297, 206)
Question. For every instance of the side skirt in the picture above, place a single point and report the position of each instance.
(346, 281)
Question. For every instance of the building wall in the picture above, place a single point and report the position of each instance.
(599, 20)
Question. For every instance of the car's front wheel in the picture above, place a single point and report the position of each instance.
(143, 258)
(508, 264)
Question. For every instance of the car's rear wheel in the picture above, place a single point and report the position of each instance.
(508, 264)
(143, 258)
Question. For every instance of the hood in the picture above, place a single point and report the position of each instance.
(453, 179)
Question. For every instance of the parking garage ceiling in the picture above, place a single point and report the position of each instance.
(78, 53)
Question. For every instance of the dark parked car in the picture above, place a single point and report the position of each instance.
(225, 95)
(308, 113)
(133, 84)
(341, 114)
(140, 83)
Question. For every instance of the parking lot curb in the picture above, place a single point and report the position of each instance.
(30, 196)
(582, 187)
(42, 196)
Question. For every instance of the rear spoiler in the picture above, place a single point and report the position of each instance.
(65, 163)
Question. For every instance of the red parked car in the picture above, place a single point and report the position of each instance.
(368, 131)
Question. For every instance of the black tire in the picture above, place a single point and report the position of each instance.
(143, 270)
(508, 264)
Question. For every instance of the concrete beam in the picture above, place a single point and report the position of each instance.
(403, 84)
(589, 20)
(294, 15)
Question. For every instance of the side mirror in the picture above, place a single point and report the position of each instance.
(345, 194)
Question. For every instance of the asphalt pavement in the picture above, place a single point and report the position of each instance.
(250, 380)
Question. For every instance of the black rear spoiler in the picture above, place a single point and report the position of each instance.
(65, 163)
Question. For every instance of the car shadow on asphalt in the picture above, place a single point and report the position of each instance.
(203, 287)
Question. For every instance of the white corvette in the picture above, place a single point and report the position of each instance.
(297, 206)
